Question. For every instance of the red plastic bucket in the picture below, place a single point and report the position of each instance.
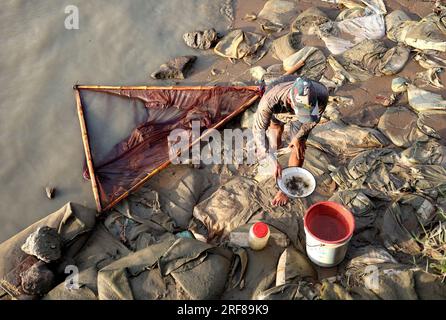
(329, 227)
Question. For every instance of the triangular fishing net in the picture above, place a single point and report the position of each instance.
(153, 112)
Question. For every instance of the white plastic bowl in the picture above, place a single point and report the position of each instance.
(289, 172)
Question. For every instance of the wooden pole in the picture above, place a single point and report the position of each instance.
(163, 166)
(87, 150)
(94, 87)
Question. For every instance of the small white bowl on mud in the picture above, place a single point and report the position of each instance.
(306, 177)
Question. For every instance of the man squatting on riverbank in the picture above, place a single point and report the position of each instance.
(298, 101)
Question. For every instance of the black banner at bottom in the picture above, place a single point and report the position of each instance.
(218, 309)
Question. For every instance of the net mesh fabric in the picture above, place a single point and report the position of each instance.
(145, 150)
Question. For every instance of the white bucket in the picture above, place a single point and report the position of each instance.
(328, 228)
(325, 254)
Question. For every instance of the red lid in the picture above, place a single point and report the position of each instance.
(260, 229)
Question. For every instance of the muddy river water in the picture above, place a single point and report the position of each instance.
(117, 43)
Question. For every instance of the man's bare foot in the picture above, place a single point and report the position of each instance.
(280, 199)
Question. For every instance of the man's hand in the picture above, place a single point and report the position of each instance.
(277, 171)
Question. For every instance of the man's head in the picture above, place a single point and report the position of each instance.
(301, 95)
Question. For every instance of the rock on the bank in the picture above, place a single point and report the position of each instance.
(37, 280)
(203, 40)
(45, 244)
(177, 68)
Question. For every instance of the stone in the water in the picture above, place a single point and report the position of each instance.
(203, 40)
(45, 244)
(38, 279)
(50, 192)
(177, 68)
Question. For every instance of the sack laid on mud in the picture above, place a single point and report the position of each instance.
(379, 275)
(135, 235)
(86, 288)
(308, 21)
(138, 220)
(342, 35)
(434, 66)
(344, 109)
(370, 58)
(430, 106)
(427, 34)
(179, 189)
(338, 138)
(429, 77)
(403, 127)
(315, 62)
(168, 270)
(242, 200)
(372, 169)
(101, 249)
(278, 12)
(427, 179)
(376, 271)
(404, 222)
(364, 204)
(147, 217)
(317, 163)
(424, 101)
(294, 264)
(228, 208)
(360, 263)
(428, 151)
(239, 44)
(286, 45)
